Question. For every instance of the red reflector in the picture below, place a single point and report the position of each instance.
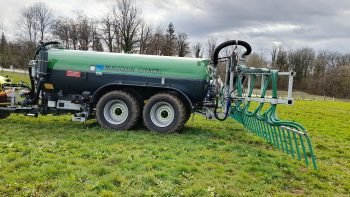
(70, 73)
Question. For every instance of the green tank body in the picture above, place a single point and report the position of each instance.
(88, 71)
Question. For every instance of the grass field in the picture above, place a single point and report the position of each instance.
(50, 155)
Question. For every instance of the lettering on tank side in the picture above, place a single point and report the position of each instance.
(99, 69)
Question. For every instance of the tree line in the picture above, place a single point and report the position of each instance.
(321, 72)
(123, 29)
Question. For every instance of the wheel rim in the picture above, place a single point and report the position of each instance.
(162, 114)
(116, 112)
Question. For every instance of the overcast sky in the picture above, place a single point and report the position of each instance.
(320, 24)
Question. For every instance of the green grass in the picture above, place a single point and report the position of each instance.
(16, 77)
(52, 156)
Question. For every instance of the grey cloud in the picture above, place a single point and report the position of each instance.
(294, 23)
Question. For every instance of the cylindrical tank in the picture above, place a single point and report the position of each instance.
(74, 71)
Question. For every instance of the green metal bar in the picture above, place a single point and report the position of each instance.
(304, 150)
(285, 140)
(269, 133)
(311, 153)
(258, 128)
(296, 146)
(290, 144)
(280, 136)
(264, 130)
(275, 136)
(277, 142)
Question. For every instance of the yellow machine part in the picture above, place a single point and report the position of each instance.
(2, 81)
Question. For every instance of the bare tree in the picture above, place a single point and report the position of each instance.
(44, 18)
(85, 31)
(274, 53)
(302, 60)
(74, 33)
(211, 45)
(197, 50)
(96, 39)
(128, 24)
(281, 62)
(27, 25)
(34, 22)
(182, 45)
(61, 29)
(108, 32)
(145, 37)
(156, 43)
(256, 60)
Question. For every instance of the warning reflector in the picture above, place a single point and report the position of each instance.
(70, 73)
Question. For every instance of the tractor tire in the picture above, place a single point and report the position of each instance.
(4, 115)
(164, 113)
(117, 110)
(188, 116)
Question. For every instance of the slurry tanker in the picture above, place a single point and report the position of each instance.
(120, 90)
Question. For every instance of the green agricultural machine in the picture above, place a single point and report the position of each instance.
(120, 90)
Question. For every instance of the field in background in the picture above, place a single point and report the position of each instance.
(50, 155)
(298, 95)
(18, 75)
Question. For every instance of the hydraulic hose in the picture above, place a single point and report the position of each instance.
(42, 45)
(228, 105)
(229, 43)
(34, 96)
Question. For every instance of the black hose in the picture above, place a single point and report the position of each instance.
(32, 81)
(229, 43)
(38, 49)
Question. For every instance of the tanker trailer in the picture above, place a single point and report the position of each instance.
(117, 89)
(120, 90)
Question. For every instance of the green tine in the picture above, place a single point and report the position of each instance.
(273, 135)
(304, 150)
(268, 127)
(263, 130)
(258, 130)
(280, 136)
(244, 118)
(311, 152)
(290, 144)
(251, 125)
(247, 119)
(243, 121)
(278, 145)
(263, 124)
(256, 126)
(266, 132)
(247, 122)
(296, 145)
(273, 142)
(285, 140)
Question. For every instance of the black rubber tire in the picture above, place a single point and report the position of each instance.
(188, 116)
(179, 113)
(131, 103)
(4, 115)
